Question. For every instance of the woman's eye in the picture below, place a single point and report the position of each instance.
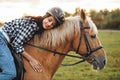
(93, 36)
(50, 20)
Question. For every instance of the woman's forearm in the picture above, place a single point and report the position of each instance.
(35, 64)
(26, 56)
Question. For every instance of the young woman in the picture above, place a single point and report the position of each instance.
(19, 31)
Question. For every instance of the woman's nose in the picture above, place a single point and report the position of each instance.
(50, 23)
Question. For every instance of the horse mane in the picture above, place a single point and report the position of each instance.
(92, 25)
(63, 34)
(53, 38)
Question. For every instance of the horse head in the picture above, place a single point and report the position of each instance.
(87, 43)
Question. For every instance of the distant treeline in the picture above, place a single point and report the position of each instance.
(104, 19)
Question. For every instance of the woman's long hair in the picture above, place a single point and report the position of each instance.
(39, 20)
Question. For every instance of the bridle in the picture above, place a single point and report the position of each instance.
(84, 58)
(89, 50)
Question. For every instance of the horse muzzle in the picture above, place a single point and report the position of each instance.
(98, 62)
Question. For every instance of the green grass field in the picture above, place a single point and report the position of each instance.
(111, 42)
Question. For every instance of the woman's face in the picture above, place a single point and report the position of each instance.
(49, 22)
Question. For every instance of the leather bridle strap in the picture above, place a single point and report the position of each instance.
(82, 28)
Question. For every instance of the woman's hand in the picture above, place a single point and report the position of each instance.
(35, 64)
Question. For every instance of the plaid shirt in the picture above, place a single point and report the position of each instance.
(20, 31)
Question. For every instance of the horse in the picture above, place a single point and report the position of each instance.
(78, 34)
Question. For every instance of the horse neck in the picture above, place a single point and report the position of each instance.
(56, 60)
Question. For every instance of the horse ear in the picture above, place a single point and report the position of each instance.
(82, 15)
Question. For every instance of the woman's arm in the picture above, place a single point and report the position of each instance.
(33, 62)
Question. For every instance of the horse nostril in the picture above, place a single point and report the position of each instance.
(104, 62)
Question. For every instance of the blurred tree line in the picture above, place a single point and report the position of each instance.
(104, 19)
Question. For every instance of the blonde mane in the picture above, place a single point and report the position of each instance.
(63, 34)
(93, 27)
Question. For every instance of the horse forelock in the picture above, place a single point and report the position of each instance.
(58, 36)
(92, 25)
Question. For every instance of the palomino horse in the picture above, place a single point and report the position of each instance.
(71, 36)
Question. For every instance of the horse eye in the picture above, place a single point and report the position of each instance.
(93, 36)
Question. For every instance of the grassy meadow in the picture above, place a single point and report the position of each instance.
(111, 43)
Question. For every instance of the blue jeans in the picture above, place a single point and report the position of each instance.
(6, 61)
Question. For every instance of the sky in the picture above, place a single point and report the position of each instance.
(11, 9)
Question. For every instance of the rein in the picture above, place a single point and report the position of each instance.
(54, 52)
(89, 50)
